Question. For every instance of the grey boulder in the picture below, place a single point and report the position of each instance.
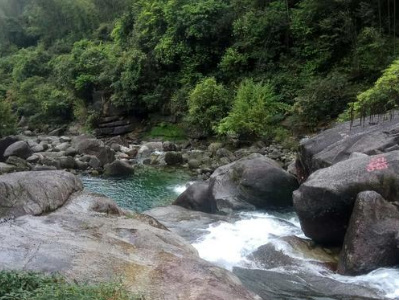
(324, 202)
(118, 168)
(20, 149)
(35, 193)
(371, 240)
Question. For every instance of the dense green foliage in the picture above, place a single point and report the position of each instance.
(383, 96)
(32, 286)
(208, 103)
(256, 109)
(189, 58)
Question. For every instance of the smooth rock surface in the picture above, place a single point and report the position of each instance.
(252, 182)
(337, 144)
(35, 193)
(324, 202)
(197, 197)
(187, 223)
(85, 245)
(275, 285)
(20, 149)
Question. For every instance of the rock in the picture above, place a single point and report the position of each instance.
(187, 223)
(94, 162)
(67, 162)
(65, 139)
(38, 148)
(35, 193)
(5, 143)
(80, 165)
(252, 182)
(357, 154)
(118, 168)
(298, 284)
(324, 202)
(19, 163)
(6, 168)
(115, 147)
(62, 147)
(221, 153)
(371, 240)
(197, 197)
(94, 147)
(173, 158)
(58, 131)
(132, 153)
(147, 260)
(71, 151)
(214, 147)
(168, 146)
(19, 149)
(194, 164)
(44, 168)
(293, 251)
(154, 146)
(144, 152)
(292, 169)
(33, 159)
(48, 161)
(337, 144)
(28, 133)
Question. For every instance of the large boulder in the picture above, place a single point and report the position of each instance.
(324, 202)
(35, 193)
(338, 143)
(251, 182)
(197, 197)
(173, 158)
(118, 168)
(20, 149)
(93, 146)
(89, 241)
(371, 240)
(4, 144)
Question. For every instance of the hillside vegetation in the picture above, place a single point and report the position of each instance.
(253, 68)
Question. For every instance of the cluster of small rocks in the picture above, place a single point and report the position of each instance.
(116, 157)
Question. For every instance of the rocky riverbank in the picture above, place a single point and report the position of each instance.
(118, 157)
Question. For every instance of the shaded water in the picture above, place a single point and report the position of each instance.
(148, 188)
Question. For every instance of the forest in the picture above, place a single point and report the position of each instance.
(252, 68)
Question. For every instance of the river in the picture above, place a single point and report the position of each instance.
(228, 243)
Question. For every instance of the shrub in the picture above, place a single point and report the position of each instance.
(8, 121)
(322, 100)
(383, 96)
(208, 103)
(255, 111)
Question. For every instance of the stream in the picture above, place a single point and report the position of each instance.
(228, 243)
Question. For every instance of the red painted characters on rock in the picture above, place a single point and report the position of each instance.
(377, 163)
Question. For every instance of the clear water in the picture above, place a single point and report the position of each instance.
(148, 188)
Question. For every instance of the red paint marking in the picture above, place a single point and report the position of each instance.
(377, 163)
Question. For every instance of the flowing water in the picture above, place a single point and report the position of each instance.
(228, 244)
